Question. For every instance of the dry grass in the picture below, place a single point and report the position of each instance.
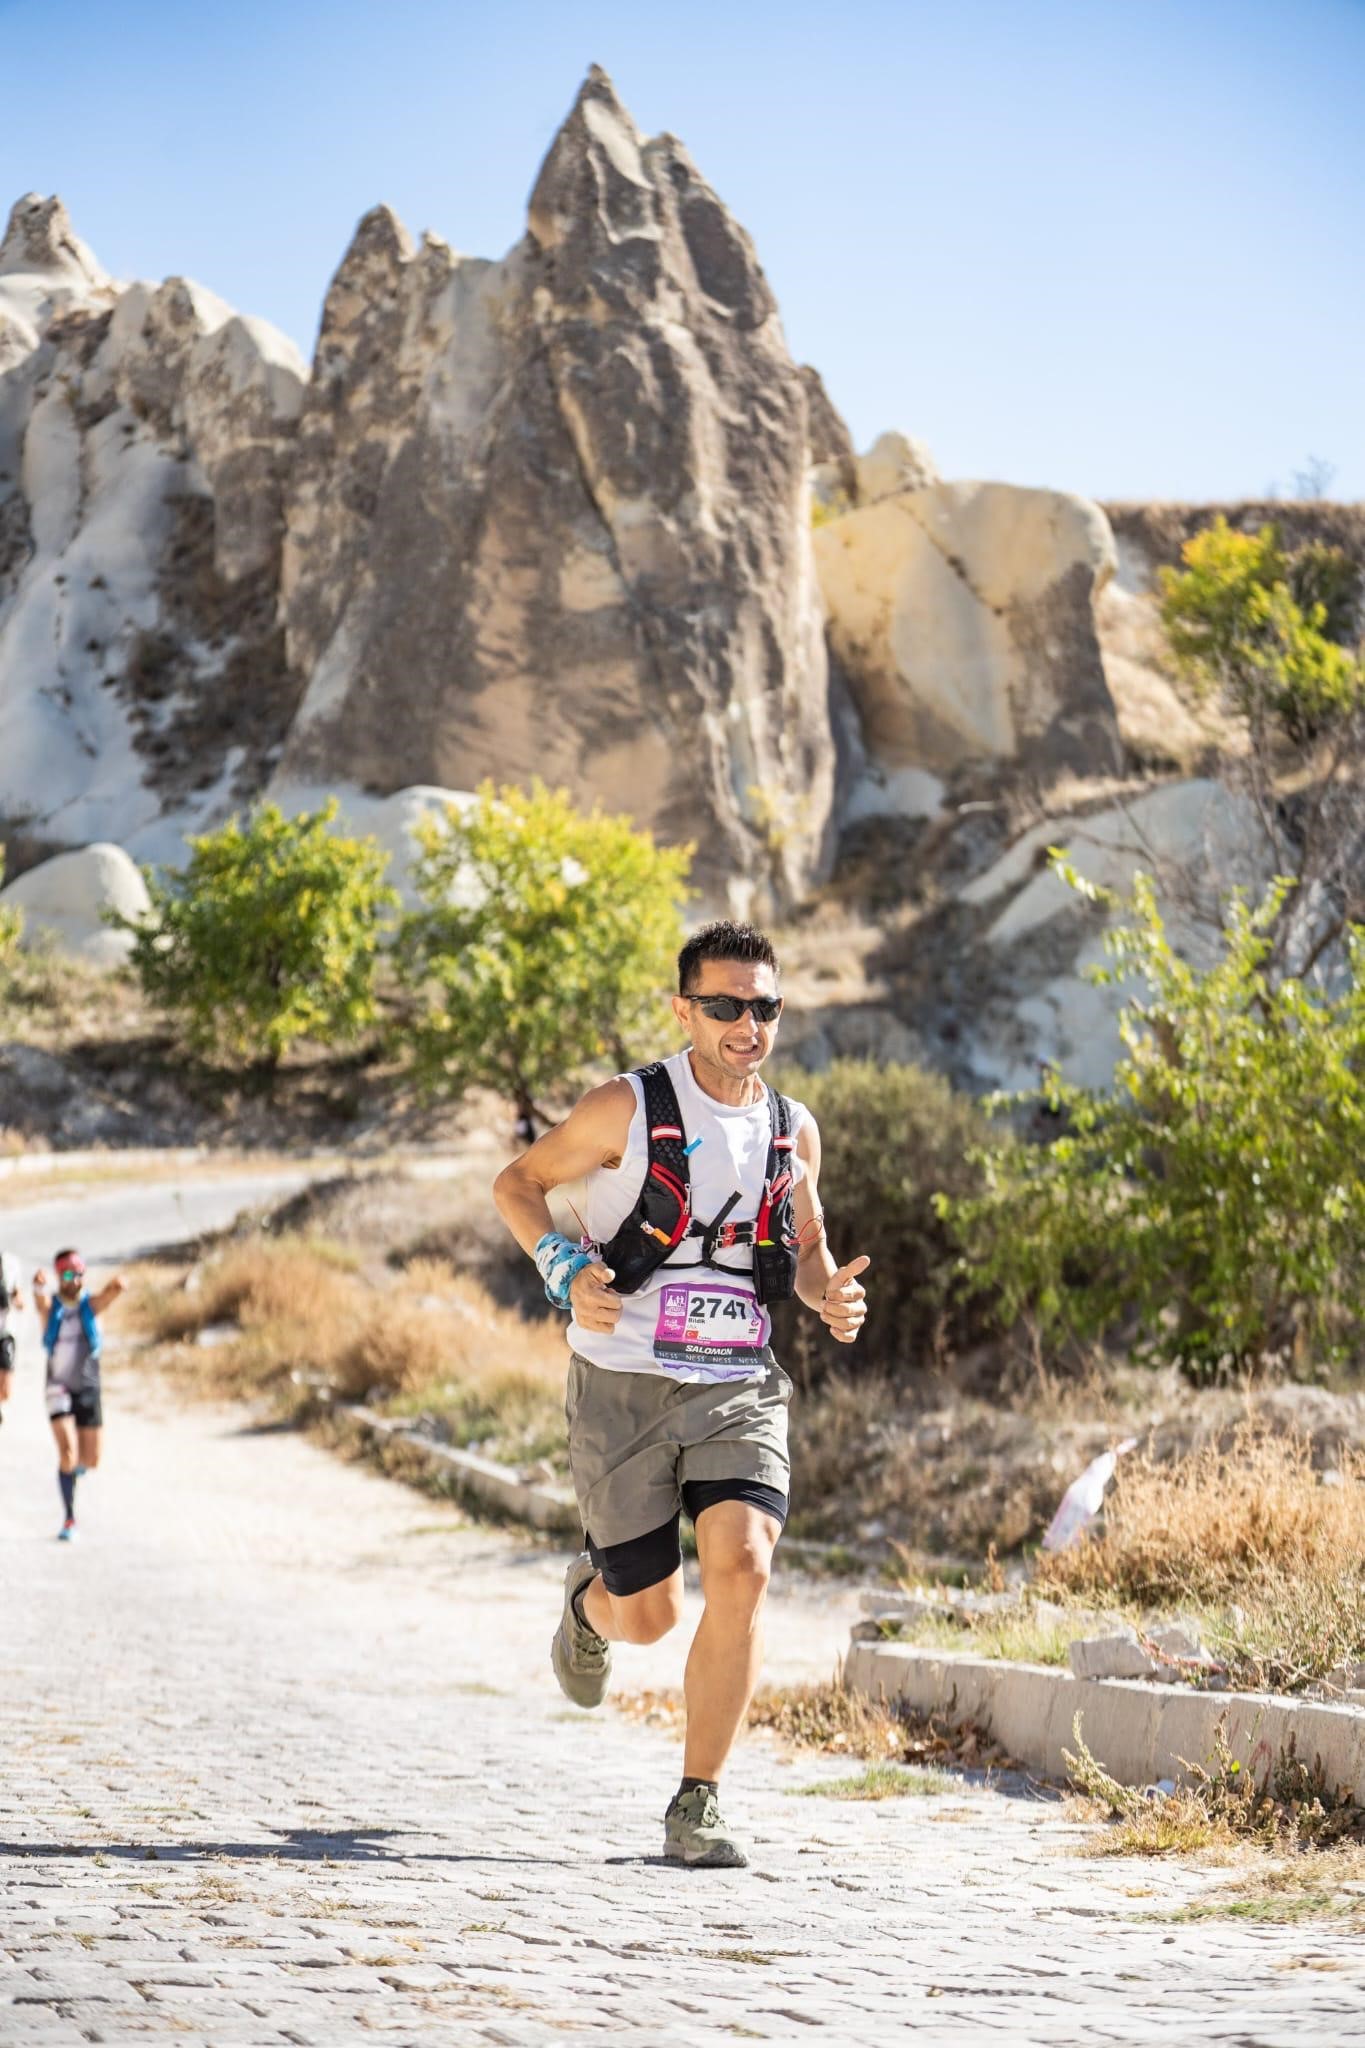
(1221, 1803)
(1211, 1524)
(1329, 1886)
(1249, 1535)
(310, 1329)
(826, 1716)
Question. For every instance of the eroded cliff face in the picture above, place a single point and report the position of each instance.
(549, 516)
(543, 516)
(144, 436)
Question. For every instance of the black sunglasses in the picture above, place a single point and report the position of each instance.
(729, 1009)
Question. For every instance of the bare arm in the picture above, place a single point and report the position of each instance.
(592, 1135)
(832, 1291)
(108, 1294)
(42, 1300)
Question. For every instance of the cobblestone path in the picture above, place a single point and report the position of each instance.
(282, 1761)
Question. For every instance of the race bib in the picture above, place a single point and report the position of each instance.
(713, 1332)
(58, 1398)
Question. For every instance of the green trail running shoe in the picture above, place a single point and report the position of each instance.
(581, 1658)
(695, 1833)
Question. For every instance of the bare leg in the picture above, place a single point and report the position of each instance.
(735, 1546)
(88, 1443)
(634, 1617)
(6, 1386)
(64, 1430)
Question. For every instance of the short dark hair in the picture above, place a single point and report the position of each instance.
(722, 941)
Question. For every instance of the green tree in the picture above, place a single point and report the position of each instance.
(270, 933)
(1266, 628)
(1212, 1203)
(544, 941)
(1269, 633)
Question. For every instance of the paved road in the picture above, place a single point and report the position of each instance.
(283, 1762)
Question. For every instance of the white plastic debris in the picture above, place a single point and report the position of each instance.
(1083, 1499)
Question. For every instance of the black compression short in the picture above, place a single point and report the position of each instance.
(644, 1561)
(6, 1352)
(85, 1411)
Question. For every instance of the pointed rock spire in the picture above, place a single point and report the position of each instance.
(40, 237)
(593, 170)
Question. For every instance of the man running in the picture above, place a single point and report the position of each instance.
(702, 1204)
(11, 1298)
(71, 1339)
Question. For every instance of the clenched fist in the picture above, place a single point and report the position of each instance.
(595, 1307)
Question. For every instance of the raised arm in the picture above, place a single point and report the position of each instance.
(108, 1294)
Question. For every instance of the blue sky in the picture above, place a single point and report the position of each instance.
(1113, 247)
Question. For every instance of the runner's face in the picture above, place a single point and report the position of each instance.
(737, 1049)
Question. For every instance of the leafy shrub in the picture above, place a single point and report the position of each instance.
(891, 1139)
(1265, 628)
(1214, 1199)
(545, 941)
(269, 934)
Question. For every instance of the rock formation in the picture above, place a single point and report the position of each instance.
(65, 899)
(540, 516)
(548, 516)
(963, 618)
(143, 435)
(576, 513)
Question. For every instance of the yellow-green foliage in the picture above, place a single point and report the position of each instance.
(269, 934)
(824, 510)
(545, 942)
(1215, 1197)
(1266, 628)
(11, 923)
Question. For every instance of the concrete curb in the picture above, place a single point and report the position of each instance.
(492, 1485)
(1139, 1731)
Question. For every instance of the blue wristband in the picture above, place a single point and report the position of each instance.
(558, 1261)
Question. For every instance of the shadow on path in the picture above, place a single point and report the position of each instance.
(304, 1845)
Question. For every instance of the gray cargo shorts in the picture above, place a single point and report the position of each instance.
(636, 1438)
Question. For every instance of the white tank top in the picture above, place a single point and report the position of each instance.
(702, 1324)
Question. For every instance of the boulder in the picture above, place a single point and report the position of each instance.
(63, 901)
(1199, 839)
(392, 820)
(962, 617)
(1118, 1654)
(548, 516)
(894, 463)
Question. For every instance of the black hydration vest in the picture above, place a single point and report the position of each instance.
(662, 1218)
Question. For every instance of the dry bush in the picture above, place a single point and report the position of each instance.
(828, 1716)
(1247, 1533)
(256, 1283)
(1216, 1523)
(432, 1343)
(834, 1433)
